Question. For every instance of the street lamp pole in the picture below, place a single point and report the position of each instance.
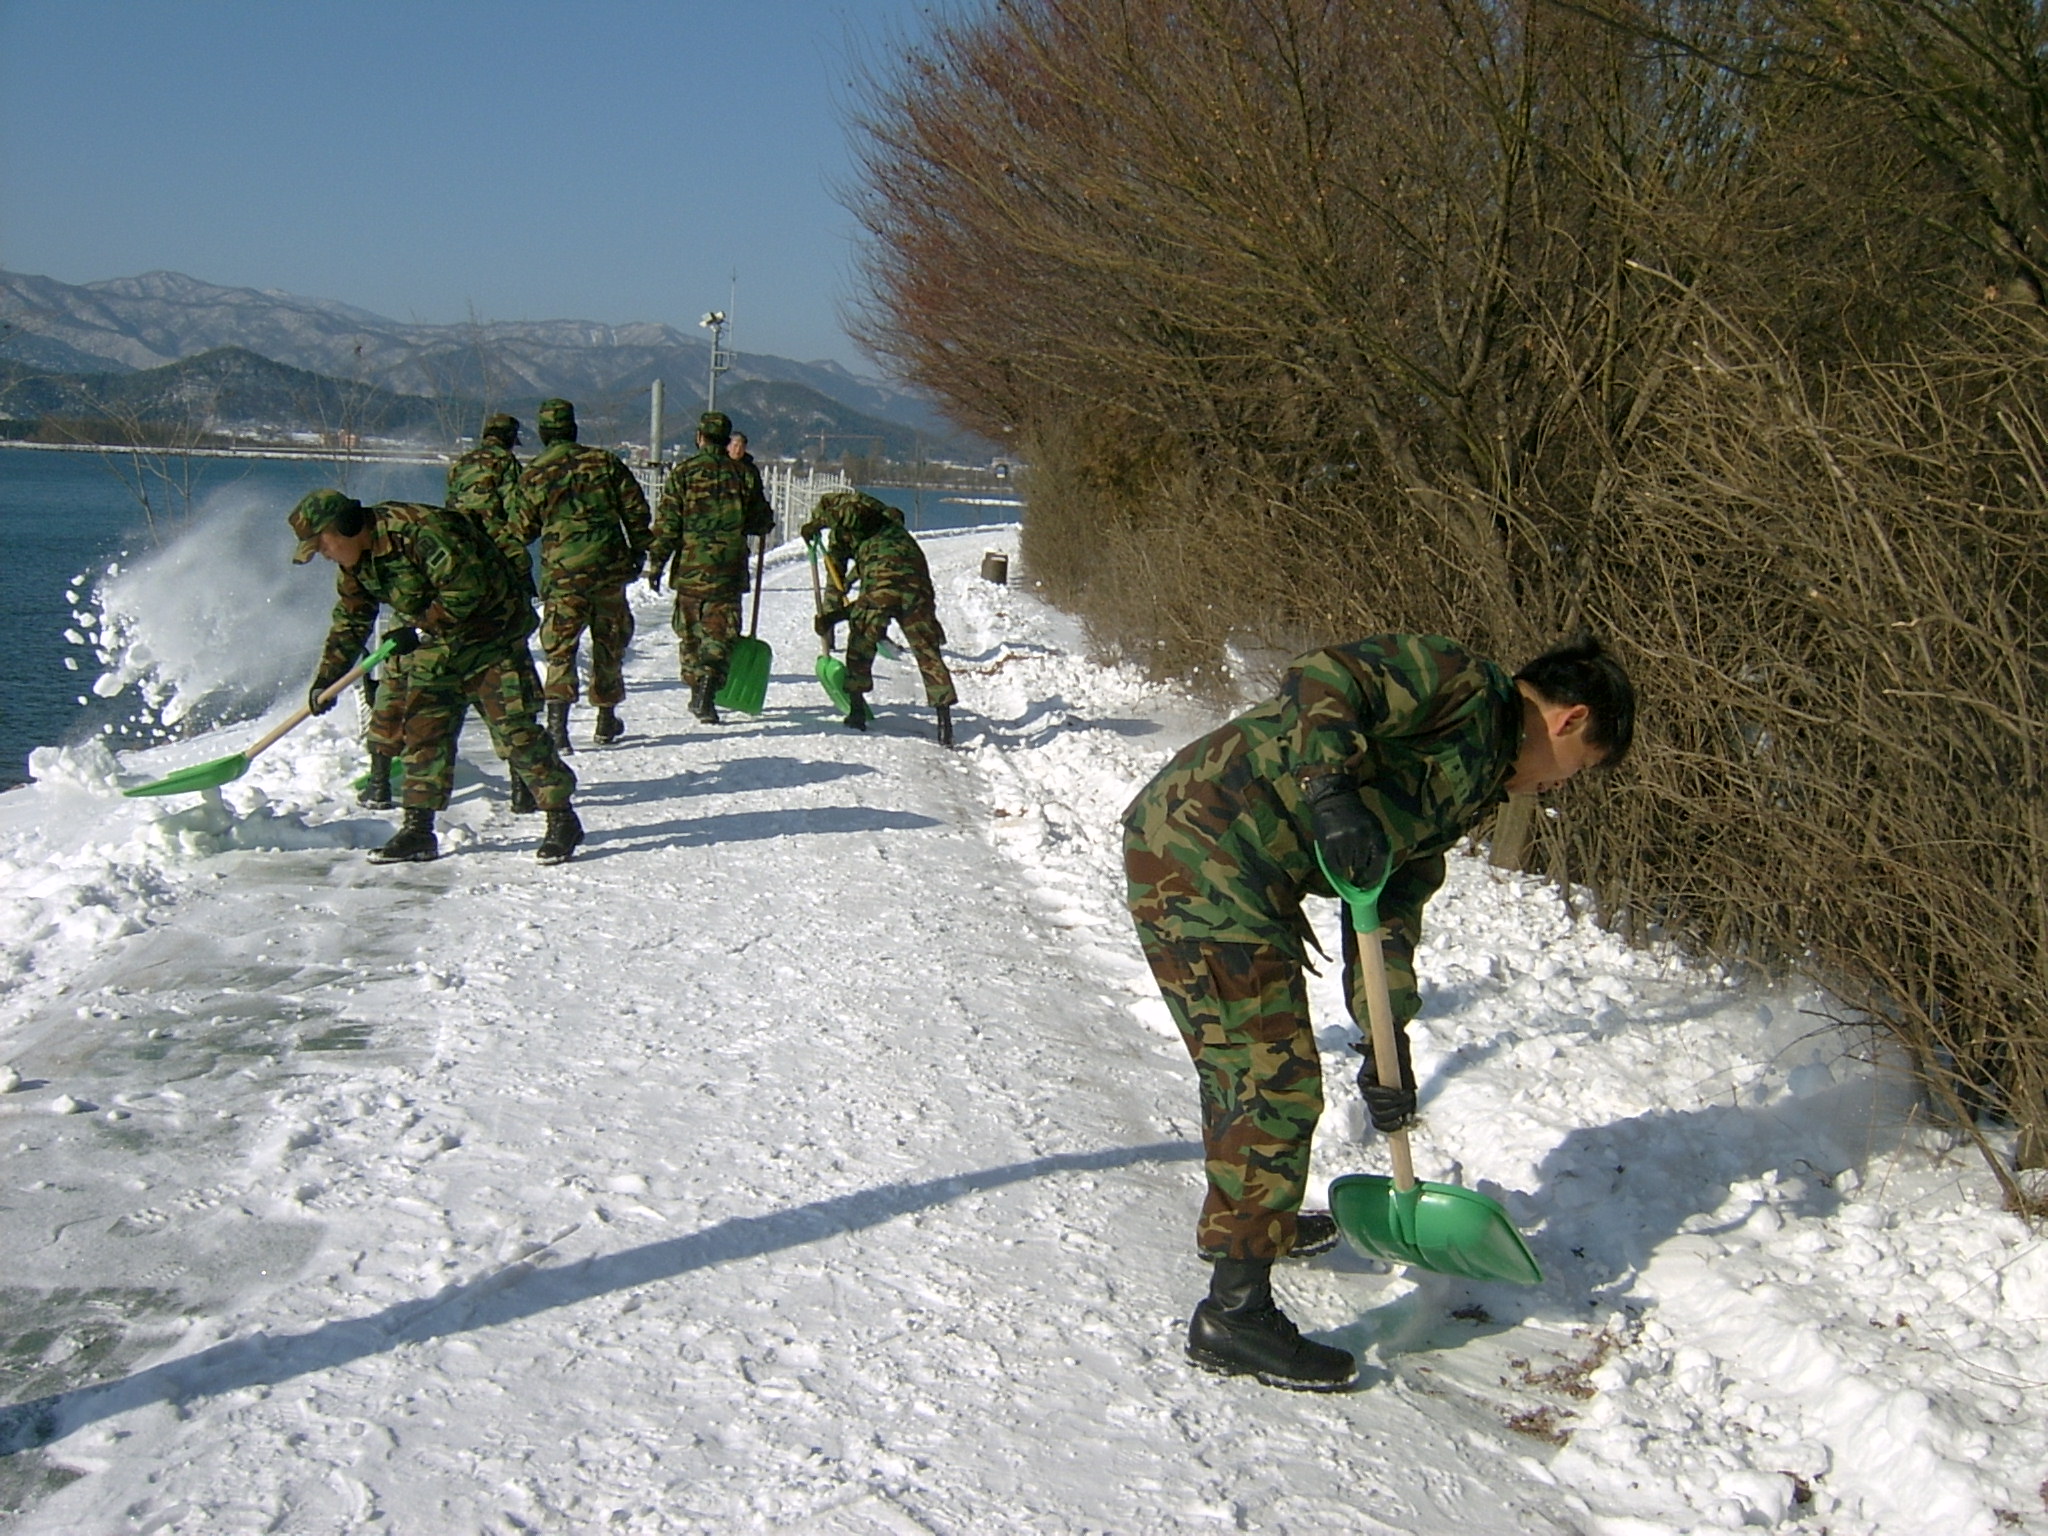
(714, 322)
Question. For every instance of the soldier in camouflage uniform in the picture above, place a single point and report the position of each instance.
(477, 484)
(590, 516)
(711, 504)
(1378, 756)
(481, 485)
(870, 548)
(464, 627)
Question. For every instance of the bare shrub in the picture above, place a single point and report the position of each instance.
(1848, 762)
(1498, 320)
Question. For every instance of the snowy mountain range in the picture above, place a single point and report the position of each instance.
(147, 322)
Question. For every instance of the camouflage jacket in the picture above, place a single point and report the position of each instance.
(589, 514)
(710, 506)
(1219, 844)
(870, 548)
(480, 484)
(438, 571)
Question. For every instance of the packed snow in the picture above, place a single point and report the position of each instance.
(813, 1153)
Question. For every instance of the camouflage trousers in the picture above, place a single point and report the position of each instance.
(706, 627)
(390, 701)
(567, 613)
(501, 682)
(388, 695)
(1243, 1011)
(867, 623)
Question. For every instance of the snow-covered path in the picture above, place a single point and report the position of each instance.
(812, 1153)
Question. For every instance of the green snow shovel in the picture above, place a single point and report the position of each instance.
(831, 670)
(885, 648)
(746, 673)
(1438, 1227)
(224, 770)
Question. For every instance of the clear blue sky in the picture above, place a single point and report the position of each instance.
(609, 160)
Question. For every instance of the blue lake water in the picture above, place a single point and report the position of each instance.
(67, 515)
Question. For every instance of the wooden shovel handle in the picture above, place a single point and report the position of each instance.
(1379, 1007)
(304, 713)
(760, 572)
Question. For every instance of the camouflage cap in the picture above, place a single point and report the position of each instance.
(502, 427)
(317, 512)
(716, 425)
(557, 415)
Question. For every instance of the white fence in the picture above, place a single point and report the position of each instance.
(792, 492)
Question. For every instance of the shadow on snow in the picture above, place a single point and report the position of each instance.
(523, 1290)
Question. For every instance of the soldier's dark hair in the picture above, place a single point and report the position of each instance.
(1583, 671)
(351, 520)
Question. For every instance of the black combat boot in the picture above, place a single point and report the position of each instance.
(1238, 1331)
(563, 833)
(945, 725)
(857, 715)
(376, 790)
(558, 726)
(704, 701)
(522, 795)
(414, 843)
(609, 727)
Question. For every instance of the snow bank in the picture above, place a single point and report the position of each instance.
(813, 1153)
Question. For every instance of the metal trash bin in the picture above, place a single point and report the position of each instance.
(995, 567)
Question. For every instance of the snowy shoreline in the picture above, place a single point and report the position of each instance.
(813, 1153)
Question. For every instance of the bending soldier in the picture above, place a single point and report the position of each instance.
(590, 516)
(463, 632)
(869, 548)
(1378, 755)
(711, 504)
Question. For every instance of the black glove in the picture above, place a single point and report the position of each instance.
(1389, 1109)
(824, 621)
(654, 569)
(1351, 841)
(403, 641)
(315, 699)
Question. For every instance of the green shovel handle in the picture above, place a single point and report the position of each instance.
(1363, 905)
(818, 593)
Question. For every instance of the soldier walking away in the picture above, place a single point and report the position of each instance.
(1379, 756)
(463, 627)
(480, 485)
(870, 548)
(590, 516)
(711, 504)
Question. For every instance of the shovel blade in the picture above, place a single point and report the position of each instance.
(222, 770)
(1438, 1227)
(746, 676)
(832, 674)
